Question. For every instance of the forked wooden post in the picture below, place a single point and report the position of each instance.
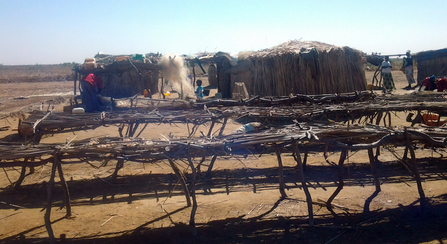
(64, 186)
(50, 187)
(281, 175)
(372, 162)
(415, 170)
(303, 182)
(343, 155)
(22, 175)
(182, 181)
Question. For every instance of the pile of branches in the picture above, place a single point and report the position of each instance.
(259, 142)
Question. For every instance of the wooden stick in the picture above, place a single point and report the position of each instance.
(182, 180)
(64, 187)
(7, 176)
(192, 222)
(22, 175)
(208, 172)
(12, 205)
(372, 162)
(119, 165)
(50, 187)
(416, 172)
(303, 182)
(211, 129)
(281, 177)
(223, 126)
(343, 154)
(106, 221)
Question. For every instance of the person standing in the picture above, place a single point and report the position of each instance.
(91, 85)
(199, 91)
(388, 82)
(408, 66)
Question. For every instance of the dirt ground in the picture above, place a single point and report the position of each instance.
(239, 204)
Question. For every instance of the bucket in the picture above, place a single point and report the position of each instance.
(206, 92)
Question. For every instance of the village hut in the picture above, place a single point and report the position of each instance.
(431, 63)
(294, 67)
(123, 75)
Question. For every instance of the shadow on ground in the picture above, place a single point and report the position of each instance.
(400, 225)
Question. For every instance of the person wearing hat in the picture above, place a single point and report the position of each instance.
(388, 82)
(408, 69)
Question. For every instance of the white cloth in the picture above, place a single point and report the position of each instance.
(386, 67)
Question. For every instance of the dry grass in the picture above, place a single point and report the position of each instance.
(36, 73)
(303, 68)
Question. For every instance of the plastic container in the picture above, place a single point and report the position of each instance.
(430, 116)
(137, 57)
(78, 111)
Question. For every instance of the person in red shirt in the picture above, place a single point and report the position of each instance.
(91, 85)
(429, 83)
(442, 84)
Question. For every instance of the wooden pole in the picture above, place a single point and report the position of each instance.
(281, 176)
(416, 171)
(75, 79)
(208, 172)
(64, 186)
(306, 154)
(192, 222)
(50, 187)
(223, 126)
(303, 182)
(211, 129)
(343, 154)
(372, 162)
(162, 86)
(119, 165)
(182, 181)
(22, 176)
(379, 117)
(194, 76)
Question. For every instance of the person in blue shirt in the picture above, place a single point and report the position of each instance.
(199, 91)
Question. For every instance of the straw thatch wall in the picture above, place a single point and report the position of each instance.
(295, 67)
(432, 63)
(124, 77)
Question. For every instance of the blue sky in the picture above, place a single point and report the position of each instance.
(53, 32)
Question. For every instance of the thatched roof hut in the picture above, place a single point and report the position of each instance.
(299, 67)
(431, 63)
(124, 75)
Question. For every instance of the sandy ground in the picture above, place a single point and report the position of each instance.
(239, 204)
